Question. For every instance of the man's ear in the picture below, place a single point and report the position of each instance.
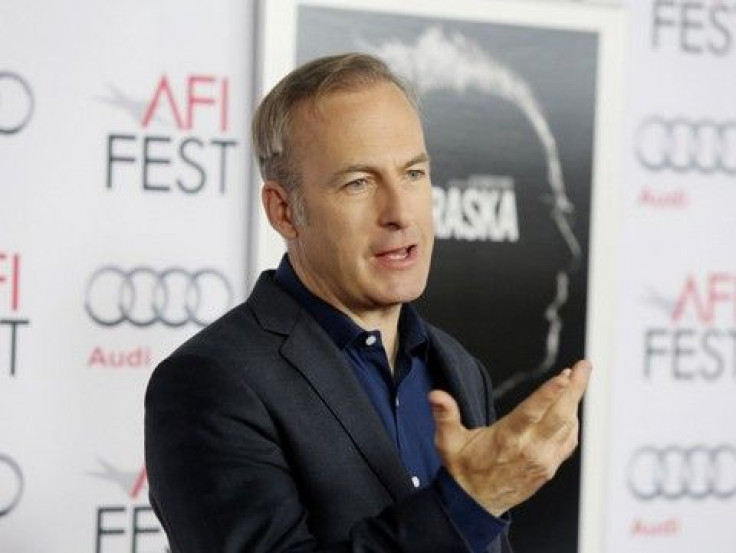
(279, 211)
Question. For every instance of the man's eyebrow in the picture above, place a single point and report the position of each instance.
(421, 158)
(366, 168)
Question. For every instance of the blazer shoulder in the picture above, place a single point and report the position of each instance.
(248, 336)
(263, 319)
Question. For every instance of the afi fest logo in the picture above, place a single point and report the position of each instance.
(698, 341)
(16, 103)
(180, 146)
(127, 524)
(697, 28)
(12, 321)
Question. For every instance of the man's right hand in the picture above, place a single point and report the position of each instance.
(504, 464)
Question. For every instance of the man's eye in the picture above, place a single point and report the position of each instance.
(416, 174)
(357, 185)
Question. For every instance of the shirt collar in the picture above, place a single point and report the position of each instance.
(339, 327)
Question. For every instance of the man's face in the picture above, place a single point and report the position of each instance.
(367, 242)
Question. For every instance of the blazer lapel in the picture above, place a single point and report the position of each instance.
(447, 361)
(308, 348)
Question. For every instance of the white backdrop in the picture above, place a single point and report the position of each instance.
(108, 270)
(672, 463)
(109, 212)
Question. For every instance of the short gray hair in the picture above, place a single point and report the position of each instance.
(313, 80)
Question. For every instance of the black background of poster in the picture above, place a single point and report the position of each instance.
(492, 295)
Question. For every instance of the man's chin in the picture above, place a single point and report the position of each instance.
(399, 294)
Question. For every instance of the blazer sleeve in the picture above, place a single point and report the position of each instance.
(220, 482)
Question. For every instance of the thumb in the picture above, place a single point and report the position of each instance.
(450, 434)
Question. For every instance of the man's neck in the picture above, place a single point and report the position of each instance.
(384, 319)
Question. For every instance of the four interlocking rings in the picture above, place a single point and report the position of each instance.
(675, 472)
(16, 103)
(10, 495)
(144, 296)
(687, 146)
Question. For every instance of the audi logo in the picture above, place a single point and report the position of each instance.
(143, 296)
(685, 146)
(16, 103)
(11, 484)
(676, 472)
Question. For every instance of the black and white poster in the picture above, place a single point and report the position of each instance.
(510, 120)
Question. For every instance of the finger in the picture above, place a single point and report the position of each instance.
(562, 415)
(533, 408)
(449, 430)
(580, 377)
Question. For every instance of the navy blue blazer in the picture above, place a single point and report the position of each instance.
(258, 438)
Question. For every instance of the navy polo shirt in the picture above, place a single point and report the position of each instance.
(400, 399)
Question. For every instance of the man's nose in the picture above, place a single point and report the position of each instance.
(395, 201)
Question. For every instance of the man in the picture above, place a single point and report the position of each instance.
(303, 420)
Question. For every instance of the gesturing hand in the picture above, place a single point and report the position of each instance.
(504, 464)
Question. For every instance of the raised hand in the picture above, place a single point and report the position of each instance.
(504, 464)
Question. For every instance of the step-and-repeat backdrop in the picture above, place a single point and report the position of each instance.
(122, 232)
(671, 467)
(584, 204)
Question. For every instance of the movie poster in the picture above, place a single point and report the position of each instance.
(510, 97)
